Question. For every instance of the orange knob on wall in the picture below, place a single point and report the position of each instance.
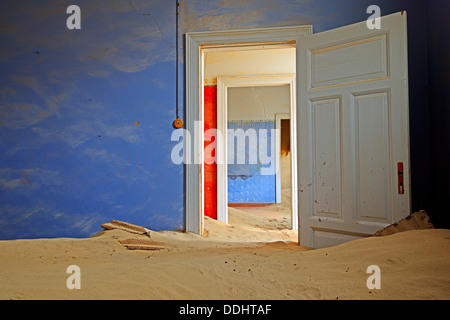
(178, 123)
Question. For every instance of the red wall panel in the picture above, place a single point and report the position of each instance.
(210, 170)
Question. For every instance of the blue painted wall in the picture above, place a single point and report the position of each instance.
(249, 183)
(72, 155)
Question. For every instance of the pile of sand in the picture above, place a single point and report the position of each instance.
(239, 261)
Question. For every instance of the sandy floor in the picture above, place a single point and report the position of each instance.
(278, 216)
(238, 261)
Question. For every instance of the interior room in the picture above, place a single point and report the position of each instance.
(114, 186)
(252, 110)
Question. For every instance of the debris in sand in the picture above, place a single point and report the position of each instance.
(133, 244)
(139, 244)
(114, 224)
(416, 221)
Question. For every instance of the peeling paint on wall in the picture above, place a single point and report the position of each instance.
(242, 14)
(69, 104)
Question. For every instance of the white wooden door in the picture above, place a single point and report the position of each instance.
(353, 131)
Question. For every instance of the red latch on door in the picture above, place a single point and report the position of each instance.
(401, 188)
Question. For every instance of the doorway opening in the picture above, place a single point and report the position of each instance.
(249, 92)
(197, 44)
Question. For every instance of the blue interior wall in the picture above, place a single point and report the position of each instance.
(86, 118)
(248, 183)
(72, 155)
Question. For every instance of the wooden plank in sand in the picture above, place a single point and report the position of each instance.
(115, 224)
(140, 244)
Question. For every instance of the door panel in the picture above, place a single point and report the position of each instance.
(327, 152)
(373, 157)
(349, 61)
(352, 131)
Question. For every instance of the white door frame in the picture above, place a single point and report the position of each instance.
(223, 83)
(193, 148)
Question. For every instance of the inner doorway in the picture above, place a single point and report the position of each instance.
(262, 189)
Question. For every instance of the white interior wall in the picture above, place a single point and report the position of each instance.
(248, 62)
(257, 103)
(252, 103)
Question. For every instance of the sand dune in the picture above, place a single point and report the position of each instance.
(239, 261)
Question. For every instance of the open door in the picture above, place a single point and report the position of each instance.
(353, 131)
